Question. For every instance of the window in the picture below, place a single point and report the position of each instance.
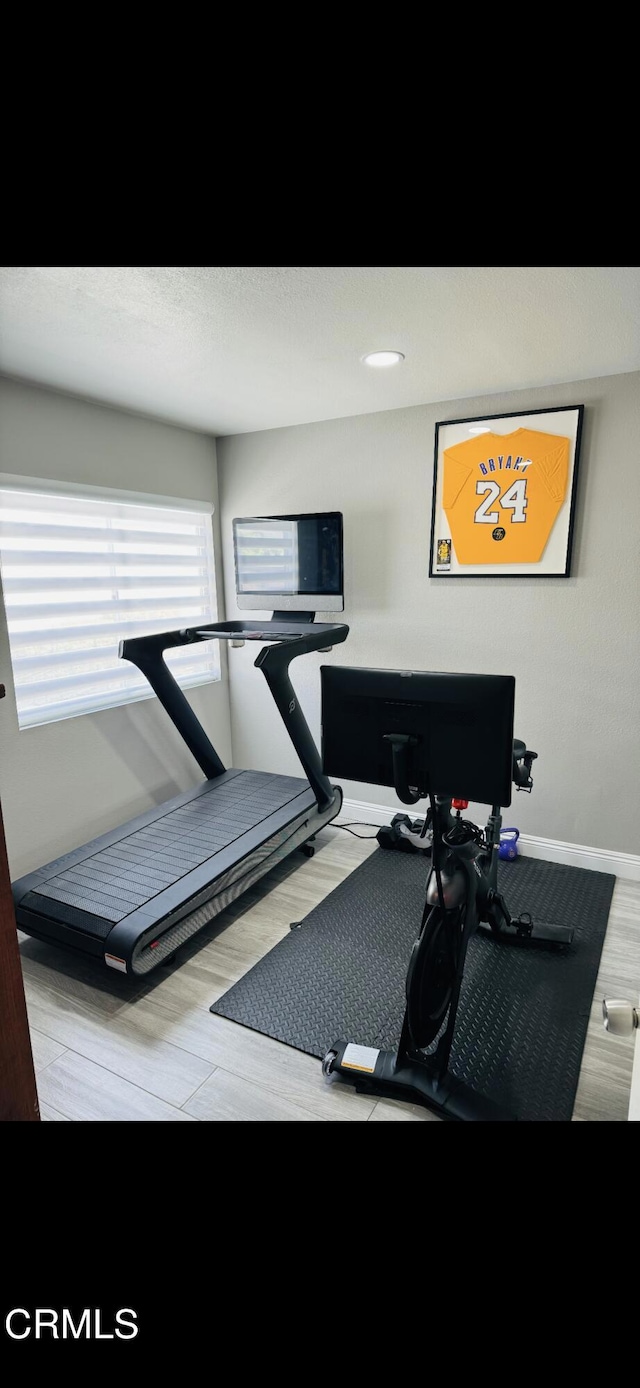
(79, 573)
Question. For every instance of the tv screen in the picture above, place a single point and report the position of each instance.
(462, 726)
(289, 562)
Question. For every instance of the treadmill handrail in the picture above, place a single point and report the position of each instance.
(290, 639)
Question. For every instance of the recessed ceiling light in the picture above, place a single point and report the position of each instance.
(480, 429)
(383, 358)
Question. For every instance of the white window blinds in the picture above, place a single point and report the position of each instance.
(80, 574)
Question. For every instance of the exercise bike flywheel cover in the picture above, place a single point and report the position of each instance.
(431, 975)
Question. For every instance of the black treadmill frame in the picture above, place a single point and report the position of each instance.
(290, 638)
(166, 916)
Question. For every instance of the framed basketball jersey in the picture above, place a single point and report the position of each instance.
(504, 494)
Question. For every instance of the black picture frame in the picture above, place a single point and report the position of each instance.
(465, 543)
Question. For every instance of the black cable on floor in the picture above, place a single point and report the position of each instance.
(364, 822)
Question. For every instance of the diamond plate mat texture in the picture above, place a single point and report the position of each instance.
(524, 1009)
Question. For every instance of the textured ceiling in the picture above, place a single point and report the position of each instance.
(236, 348)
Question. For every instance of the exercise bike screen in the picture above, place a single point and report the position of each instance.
(460, 726)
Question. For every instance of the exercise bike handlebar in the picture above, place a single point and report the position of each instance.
(409, 795)
(521, 771)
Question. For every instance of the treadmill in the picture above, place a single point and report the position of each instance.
(132, 896)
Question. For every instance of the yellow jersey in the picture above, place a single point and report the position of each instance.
(502, 493)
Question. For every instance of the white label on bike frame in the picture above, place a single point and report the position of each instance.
(360, 1058)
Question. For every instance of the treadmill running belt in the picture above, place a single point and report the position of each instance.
(115, 880)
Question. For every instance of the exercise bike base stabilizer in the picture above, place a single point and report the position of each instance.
(461, 897)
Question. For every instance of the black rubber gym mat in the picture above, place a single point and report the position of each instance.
(524, 1009)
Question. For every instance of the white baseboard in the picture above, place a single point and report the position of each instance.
(530, 845)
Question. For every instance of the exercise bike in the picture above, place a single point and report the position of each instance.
(417, 744)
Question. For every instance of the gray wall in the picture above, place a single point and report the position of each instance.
(572, 644)
(65, 782)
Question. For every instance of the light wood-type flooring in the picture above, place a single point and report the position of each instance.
(109, 1049)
